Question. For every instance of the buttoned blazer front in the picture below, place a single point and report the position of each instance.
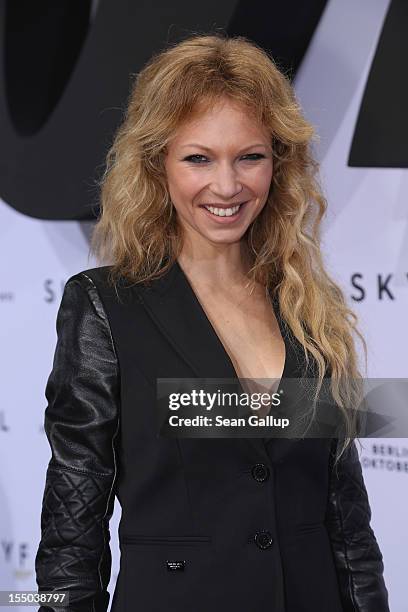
(207, 524)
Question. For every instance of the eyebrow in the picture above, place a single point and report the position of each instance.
(251, 146)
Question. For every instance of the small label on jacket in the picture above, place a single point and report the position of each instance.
(175, 565)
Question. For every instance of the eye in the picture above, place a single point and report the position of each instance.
(254, 156)
(192, 158)
(197, 159)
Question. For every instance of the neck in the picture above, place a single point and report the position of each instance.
(220, 266)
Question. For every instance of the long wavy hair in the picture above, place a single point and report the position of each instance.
(137, 232)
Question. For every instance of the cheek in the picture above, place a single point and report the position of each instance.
(185, 185)
(259, 179)
(263, 179)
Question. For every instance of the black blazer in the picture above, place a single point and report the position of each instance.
(211, 525)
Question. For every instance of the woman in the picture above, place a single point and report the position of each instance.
(210, 216)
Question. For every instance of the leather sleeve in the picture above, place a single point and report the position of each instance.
(358, 559)
(81, 423)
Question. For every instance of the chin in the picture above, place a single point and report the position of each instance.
(223, 237)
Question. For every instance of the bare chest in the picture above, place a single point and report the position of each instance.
(249, 333)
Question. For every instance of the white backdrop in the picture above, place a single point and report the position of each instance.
(365, 233)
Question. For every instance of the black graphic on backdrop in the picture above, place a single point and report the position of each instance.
(67, 80)
(381, 133)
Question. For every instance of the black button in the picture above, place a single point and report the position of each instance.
(260, 472)
(263, 539)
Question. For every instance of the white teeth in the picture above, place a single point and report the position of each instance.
(223, 212)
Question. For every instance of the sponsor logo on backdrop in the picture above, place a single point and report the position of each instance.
(377, 285)
(53, 290)
(385, 456)
(16, 557)
(362, 286)
(3, 423)
(6, 296)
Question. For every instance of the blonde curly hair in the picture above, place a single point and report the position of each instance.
(137, 231)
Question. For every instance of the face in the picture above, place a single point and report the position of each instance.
(219, 171)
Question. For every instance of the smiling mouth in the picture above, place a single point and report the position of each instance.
(223, 211)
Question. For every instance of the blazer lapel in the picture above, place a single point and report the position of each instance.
(176, 310)
(173, 305)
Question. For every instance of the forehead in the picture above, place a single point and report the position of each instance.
(220, 120)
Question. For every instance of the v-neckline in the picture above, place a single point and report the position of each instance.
(222, 347)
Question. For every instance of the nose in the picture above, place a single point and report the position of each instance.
(225, 181)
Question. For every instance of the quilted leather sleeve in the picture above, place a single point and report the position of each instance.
(358, 559)
(81, 423)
